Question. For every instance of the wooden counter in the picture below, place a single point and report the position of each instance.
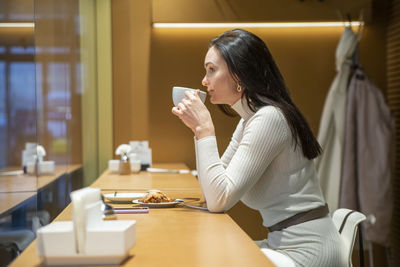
(145, 180)
(11, 200)
(31, 183)
(15, 189)
(173, 236)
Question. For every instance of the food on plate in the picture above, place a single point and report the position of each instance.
(156, 196)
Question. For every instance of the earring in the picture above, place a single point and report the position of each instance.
(239, 88)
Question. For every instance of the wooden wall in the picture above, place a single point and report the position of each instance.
(175, 57)
(305, 57)
(393, 92)
(131, 27)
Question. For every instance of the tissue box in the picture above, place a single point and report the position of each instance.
(106, 243)
(143, 153)
(44, 167)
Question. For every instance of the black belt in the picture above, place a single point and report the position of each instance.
(301, 217)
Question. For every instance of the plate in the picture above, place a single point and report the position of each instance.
(157, 205)
(124, 197)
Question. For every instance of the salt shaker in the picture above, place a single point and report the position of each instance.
(124, 165)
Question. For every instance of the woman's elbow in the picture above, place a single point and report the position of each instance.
(217, 206)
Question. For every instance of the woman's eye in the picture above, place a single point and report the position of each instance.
(211, 69)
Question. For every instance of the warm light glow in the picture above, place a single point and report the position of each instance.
(256, 25)
(17, 25)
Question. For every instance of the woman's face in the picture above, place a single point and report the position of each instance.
(220, 84)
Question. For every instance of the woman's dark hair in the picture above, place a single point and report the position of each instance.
(251, 64)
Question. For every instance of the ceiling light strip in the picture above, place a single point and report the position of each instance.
(17, 25)
(255, 25)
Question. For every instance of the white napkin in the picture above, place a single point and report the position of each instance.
(160, 170)
(85, 202)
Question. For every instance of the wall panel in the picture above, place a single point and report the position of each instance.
(393, 94)
(175, 57)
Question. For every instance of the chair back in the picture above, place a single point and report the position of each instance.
(347, 221)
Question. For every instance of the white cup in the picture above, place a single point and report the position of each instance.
(135, 165)
(178, 93)
(113, 165)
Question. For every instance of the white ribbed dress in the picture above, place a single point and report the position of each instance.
(262, 168)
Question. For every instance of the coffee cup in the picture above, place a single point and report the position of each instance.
(178, 93)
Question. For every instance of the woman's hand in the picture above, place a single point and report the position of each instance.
(195, 115)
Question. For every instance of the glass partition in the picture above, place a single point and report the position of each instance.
(17, 82)
(48, 76)
(57, 61)
(18, 127)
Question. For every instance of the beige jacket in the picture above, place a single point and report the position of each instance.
(366, 173)
(331, 128)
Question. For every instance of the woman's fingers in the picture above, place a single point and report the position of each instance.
(181, 106)
(192, 111)
(192, 95)
(176, 111)
(189, 94)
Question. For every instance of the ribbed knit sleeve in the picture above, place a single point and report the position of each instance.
(265, 134)
(233, 145)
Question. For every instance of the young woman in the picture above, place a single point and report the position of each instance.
(268, 164)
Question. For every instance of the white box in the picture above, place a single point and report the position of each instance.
(49, 237)
(113, 165)
(107, 242)
(44, 167)
(113, 232)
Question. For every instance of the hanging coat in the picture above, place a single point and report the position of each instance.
(331, 129)
(367, 159)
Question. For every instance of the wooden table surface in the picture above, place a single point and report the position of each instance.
(15, 189)
(176, 236)
(11, 200)
(145, 180)
(31, 183)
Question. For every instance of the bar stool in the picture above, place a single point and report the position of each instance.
(347, 222)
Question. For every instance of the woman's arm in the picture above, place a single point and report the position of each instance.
(233, 144)
(264, 137)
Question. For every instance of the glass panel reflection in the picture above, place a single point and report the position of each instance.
(40, 104)
(18, 10)
(18, 192)
(21, 109)
(3, 116)
(57, 52)
(54, 99)
(22, 50)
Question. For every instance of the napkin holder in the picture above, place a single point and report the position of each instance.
(105, 242)
(28, 154)
(43, 167)
(114, 165)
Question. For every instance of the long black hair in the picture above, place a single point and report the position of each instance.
(251, 64)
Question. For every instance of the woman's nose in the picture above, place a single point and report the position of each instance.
(204, 82)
